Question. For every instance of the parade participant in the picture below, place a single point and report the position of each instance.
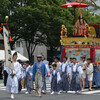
(59, 62)
(39, 72)
(23, 75)
(56, 61)
(89, 72)
(71, 60)
(96, 75)
(45, 62)
(12, 81)
(28, 77)
(5, 74)
(31, 64)
(55, 80)
(70, 68)
(47, 67)
(65, 75)
(1, 70)
(82, 83)
(76, 71)
(19, 78)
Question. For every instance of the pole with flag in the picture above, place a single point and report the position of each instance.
(8, 55)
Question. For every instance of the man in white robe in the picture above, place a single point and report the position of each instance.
(65, 75)
(47, 67)
(55, 80)
(76, 76)
(82, 82)
(12, 81)
(57, 62)
(89, 72)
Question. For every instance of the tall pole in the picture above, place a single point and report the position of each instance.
(61, 53)
(74, 15)
(93, 54)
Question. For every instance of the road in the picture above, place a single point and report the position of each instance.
(85, 95)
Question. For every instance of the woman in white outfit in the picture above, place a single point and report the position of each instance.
(89, 72)
(12, 81)
(82, 82)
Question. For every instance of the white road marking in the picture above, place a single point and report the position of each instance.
(85, 91)
(91, 92)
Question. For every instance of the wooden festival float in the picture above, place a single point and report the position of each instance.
(83, 42)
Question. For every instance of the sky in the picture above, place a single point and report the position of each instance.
(97, 3)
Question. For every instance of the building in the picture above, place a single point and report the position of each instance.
(20, 47)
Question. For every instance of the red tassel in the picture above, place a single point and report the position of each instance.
(10, 39)
(0, 29)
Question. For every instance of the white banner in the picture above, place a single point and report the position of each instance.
(8, 55)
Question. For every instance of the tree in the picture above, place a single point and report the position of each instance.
(39, 22)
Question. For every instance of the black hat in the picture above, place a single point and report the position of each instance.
(54, 65)
(65, 57)
(56, 58)
(15, 54)
(27, 62)
(59, 58)
(74, 58)
(71, 57)
(89, 59)
(19, 61)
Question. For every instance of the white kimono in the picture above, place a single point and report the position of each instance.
(23, 71)
(12, 83)
(83, 68)
(58, 65)
(89, 71)
(46, 64)
(58, 76)
(70, 67)
(79, 69)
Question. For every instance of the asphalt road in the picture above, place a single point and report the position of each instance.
(5, 96)
(22, 96)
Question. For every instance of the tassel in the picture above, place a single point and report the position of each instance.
(0, 29)
(10, 39)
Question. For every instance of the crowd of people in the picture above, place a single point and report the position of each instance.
(69, 75)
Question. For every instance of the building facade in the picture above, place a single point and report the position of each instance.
(20, 47)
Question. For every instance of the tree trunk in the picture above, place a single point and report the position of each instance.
(30, 50)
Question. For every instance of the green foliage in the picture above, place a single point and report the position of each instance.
(39, 21)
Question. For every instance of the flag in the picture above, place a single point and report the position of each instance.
(8, 55)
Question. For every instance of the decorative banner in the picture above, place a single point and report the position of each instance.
(97, 52)
(77, 53)
(78, 46)
(8, 55)
(81, 46)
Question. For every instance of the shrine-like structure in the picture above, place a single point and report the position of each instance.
(83, 42)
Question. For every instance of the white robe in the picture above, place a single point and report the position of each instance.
(12, 83)
(58, 76)
(58, 65)
(83, 67)
(46, 64)
(79, 69)
(89, 71)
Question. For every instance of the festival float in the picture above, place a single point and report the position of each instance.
(84, 41)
